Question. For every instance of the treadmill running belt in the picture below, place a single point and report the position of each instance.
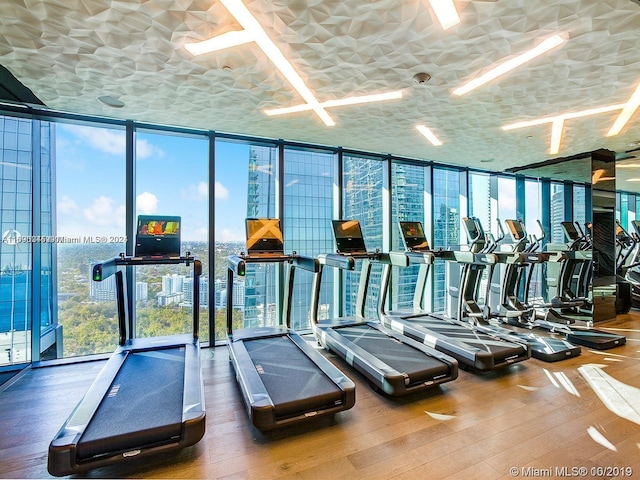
(472, 339)
(294, 382)
(143, 406)
(399, 356)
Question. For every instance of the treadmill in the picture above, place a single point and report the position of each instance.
(148, 398)
(469, 345)
(392, 363)
(283, 379)
(577, 269)
(511, 312)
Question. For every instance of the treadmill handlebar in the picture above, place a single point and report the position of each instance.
(102, 271)
(306, 263)
(406, 258)
(237, 263)
(337, 260)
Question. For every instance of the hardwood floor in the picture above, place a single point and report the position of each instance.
(530, 416)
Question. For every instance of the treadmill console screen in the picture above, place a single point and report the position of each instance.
(515, 229)
(570, 231)
(157, 235)
(472, 228)
(264, 236)
(413, 236)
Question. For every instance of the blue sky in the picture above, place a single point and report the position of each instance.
(171, 179)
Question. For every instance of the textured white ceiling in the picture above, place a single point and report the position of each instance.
(70, 52)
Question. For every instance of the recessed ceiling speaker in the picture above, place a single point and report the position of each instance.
(111, 101)
(421, 78)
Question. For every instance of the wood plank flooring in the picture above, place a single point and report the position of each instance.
(532, 415)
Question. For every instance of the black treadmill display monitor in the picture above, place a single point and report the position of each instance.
(413, 236)
(264, 236)
(515, 229)
(348, 235)
(570, 231)
(472, 228)
(157, 235)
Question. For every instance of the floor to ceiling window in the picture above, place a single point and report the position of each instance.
(480, 199)
(408, 195)
(90, 214)
(245, 187)
(15, 254)
(362, 200)
(172, 179)
(446, 226)
(308, 210)
(506, 201)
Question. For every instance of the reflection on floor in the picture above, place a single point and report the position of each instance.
(531, 417)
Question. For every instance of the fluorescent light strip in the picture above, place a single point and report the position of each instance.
(226, 40)
(253, 32)
(626, 113)
(510, 64)
(564, 116)
(249, 23)
(424, 130)
(446, 12)
(556, 135)
(378, 97)
(633, 179)
(557, 123)
(628, 165)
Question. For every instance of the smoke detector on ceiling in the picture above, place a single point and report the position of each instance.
(421, 78)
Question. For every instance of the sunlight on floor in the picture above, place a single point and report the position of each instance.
(620, 398)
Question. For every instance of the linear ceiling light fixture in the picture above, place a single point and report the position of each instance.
(424, 130)
(510, 64)
(253, 32)
(226, 40)
(626, 113)
(557, 123)
(379, 97)
(446, 12)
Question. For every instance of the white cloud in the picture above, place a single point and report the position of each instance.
(146, 203)
(199, 192)
(112, 141)
(221, 192)
(67, 205)
(228, 235)
(104, 212)
(145, 149)
(105, 140)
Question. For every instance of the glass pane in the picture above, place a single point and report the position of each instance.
(90, 207)
(308, 210)
(172, 179)
(507, 199)
(557, 213)
(15, 252)
(446, 226)
(245, 187)
(362, 200)
(480, 198)
(407, 185)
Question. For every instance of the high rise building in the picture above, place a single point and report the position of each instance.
(407, 186)
(16, 222)
(104, 291)
(172, 290)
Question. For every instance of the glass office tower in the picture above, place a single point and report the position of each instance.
(16, 224)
